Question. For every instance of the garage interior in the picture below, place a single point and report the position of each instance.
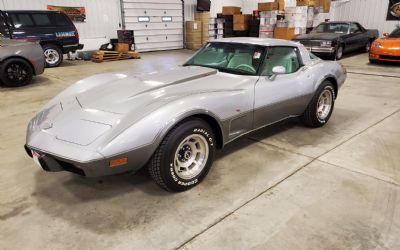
(282, 187)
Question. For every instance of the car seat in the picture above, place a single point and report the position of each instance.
(281, 57)
(239, 59)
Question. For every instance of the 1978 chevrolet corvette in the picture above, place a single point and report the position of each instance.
(173, 121)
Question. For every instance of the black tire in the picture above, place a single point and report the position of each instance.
(310, 117)
(16, 72)
(162, 166)
(339, 52)
(53, 55)
(372, 61)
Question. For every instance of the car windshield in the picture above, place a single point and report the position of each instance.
(332, 28)
(235, 58)
(395, 33)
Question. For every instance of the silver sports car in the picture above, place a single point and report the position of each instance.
(173, 121)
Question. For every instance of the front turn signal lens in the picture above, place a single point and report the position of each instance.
(118, 162)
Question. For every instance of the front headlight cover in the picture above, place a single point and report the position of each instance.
(377, 45)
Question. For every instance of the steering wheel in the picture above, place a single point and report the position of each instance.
(246, 67)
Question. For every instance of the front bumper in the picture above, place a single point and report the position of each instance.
(384, 57)
(321, 50)
(137, 158)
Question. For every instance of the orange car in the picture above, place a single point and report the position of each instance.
(386, 48)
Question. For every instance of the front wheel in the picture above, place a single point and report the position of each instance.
(184, 157)
(367, 46)
(320, 108)
(339, 52)
(16, 72)
(52, 55)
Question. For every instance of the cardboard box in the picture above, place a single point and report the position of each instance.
(193, 26)
(201, 16)
(241, 18)
(122, 47)
(308, 3)
(284, 33)
(268, 6)
(230, 10)
(193, 37)
(241, 22)
(191, 45)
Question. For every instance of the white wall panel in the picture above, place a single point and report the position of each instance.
(369, 13)
(216, 7)
(102, 17)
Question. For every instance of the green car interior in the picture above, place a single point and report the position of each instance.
(238, 58)
(281, 56)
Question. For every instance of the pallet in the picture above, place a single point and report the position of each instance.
(106, 56)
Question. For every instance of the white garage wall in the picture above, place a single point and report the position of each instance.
(103, 17)
(216, 7)
(369, 13)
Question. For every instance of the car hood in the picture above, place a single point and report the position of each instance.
(124, 92)
(117, 101)
(318, 36)
(389, 42)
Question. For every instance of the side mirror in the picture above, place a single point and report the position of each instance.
(277, 70)
(385, 34)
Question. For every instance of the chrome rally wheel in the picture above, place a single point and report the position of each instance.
(324, 104)
(320, 108)
(191, 156)
(184, 157)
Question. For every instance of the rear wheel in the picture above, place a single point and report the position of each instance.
(53, 55)
(320, 108)
(184, 157)
(16, 72)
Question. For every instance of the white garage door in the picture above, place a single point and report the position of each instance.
(156, 25)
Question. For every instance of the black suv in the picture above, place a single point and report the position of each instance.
(52, 29)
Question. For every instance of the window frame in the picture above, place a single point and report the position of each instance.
(296, 50)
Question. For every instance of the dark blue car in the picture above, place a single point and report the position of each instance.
(53, 30)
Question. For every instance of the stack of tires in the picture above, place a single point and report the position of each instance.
(254, 27)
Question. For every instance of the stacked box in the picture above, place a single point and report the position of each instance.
(241, 22)
(230, 10)
(193, 34)
(313, 3)
(203, 17)
(284, 33)
(297, 18)
(215, 28)
(268, 17)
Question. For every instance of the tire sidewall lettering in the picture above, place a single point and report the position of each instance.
(195, 180)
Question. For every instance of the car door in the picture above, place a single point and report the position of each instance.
(284, 95)
(356, 37)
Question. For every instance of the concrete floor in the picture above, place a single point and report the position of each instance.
(285, 187)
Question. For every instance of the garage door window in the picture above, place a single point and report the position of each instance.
(144, 19)
(166, 18)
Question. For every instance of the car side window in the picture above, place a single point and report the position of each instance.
(61, 20)
(287, 57)
(354, 28)
(41, 19)
(21, 20)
